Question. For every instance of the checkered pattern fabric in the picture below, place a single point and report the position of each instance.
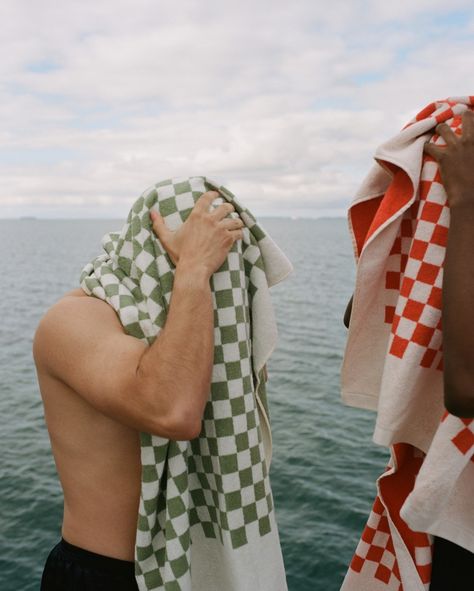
(375, 552)
(462, 436)
(441, 111)
(376, 558)
(415, 268)
(394, 360)
(386, 537)
(219, 481)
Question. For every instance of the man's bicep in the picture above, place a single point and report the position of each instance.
(81, 342)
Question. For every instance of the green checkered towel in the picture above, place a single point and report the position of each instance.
(206, 519)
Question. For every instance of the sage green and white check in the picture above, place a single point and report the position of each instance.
(217, 483)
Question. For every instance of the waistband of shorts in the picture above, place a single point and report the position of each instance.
(97, 561)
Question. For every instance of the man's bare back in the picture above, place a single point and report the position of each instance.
(97, 458)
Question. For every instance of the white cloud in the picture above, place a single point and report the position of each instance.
(284, 102)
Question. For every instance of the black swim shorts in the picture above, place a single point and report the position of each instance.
(69, 568)
(453, 567)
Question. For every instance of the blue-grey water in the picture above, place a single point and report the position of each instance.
(324, 464)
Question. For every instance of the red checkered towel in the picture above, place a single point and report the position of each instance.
(393, 362)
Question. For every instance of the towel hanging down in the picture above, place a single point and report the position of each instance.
(206, 518)
(393, 361)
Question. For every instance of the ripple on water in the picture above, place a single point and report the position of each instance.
(324, 464)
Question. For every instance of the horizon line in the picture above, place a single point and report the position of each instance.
(282, 217)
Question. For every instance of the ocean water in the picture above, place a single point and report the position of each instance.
(324, 463)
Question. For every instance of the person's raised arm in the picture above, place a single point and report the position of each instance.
(456, 162)
(161, 389)
(185, 347)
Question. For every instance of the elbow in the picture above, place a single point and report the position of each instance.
(184, 426)
(459, 396)
(170, 410)
(458, 404)
(177, 426)
(178, 423)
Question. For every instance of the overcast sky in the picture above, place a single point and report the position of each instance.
(282, 101)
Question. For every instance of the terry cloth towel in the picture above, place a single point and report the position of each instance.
(206, 520)
(393, 361)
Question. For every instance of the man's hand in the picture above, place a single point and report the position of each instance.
(205, 238)
(456, 162)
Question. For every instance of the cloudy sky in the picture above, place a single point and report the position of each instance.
(282, 101)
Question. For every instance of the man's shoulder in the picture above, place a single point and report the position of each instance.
(77, 292)
(77, 307)
(75, 317)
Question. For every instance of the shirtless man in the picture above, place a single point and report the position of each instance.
(101, 387)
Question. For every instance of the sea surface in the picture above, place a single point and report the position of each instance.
(324, 462)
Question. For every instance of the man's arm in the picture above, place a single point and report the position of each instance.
(161, 389)
(456, 162)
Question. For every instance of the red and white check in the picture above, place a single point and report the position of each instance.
(394, 360)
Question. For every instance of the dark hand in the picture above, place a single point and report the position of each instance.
(456, 162)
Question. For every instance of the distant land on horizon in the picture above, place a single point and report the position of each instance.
(261, 217)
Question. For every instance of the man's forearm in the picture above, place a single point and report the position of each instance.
(175, 371)
(458, 313)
